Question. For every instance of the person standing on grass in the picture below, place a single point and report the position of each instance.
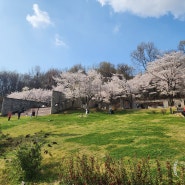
(86, 111)
(19, 114)
(9, 115)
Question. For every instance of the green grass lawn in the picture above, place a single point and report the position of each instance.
(125, 134)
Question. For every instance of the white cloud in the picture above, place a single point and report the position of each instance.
(148, 8)
(39, 18)
(59, 41)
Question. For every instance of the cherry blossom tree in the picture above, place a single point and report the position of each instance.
(80, 85)
(139, 85)
(163, 78)
(168, 74)
(114, 88)
(91, 86)
(39, 95)
(138, 88)
(70, 84)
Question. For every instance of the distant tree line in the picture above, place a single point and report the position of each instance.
(159, 74)
(15, 82)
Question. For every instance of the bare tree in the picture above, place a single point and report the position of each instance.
(125, 70)
(106, 69)
(181, 46)
(9, 82)
(145, 53)
(76, 68)
(48, 82)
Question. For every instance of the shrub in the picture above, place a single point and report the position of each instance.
(25, 162)
(29, 158)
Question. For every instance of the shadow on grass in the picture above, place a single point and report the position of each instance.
(65, 135)
(9, 144)
(119, 137)
(156, 151)
(49, 173)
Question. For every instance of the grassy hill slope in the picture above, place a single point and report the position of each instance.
(125, 134)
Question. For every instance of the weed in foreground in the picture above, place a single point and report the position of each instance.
(83, 170)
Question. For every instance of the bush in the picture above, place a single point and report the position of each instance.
(29, 158)
(24, 166)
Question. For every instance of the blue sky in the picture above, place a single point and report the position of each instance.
(61, 33)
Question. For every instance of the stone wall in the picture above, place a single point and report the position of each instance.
(59, 103)
(162, 103)
(15, 105)
(1, 101)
